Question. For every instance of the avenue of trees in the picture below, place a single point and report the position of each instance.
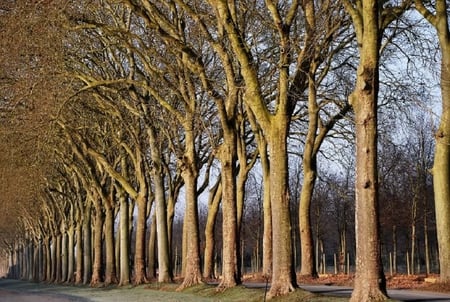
(146, 140)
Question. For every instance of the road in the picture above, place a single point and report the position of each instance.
(396, 294)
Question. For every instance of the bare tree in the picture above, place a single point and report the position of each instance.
(369, 21)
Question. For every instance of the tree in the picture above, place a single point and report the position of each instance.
(369, 20)
(322, 114)
(437, 15)
(274, 124)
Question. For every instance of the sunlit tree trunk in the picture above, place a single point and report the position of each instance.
(370, 284)
(64, 257)
(283, 272)
(110, 265)
(164, 264)
(79, 253)
(124, 240)
(139, 252)
(98, 245)
(227, 157)
(215, 198)
(308, 267)
(70, 255)
(58, 258)
(193, 274)
(151, 254)
(53, 259)
(439, 18)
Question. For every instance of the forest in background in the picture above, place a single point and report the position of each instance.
(151, 140)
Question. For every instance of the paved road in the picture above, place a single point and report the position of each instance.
(396, 294)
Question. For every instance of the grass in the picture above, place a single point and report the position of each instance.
(243, 294)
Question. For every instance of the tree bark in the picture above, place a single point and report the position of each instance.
(87, 239)
(53, 259)
(213, 209)
(370, 283)
(193, 274)
(230, 236)
(110, 265)
(151, 254)
(441, 167)
(164, 264)
(64, 257)
(139, 252)
(79, 253)
(98, 246)
(124, 240)
(70, 255)
(283, 273)
(58, 258)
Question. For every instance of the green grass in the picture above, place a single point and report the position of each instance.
(243, 294)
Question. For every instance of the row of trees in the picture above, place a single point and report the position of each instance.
(150, 104)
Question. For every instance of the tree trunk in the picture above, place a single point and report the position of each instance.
(79, 253)
(70, 255)
(189, 172)
(124, 241)
(441, 167)
(151, 254)
(283, 272)
(110, 267)
(98, 246)
(230, 236)
(53, 259)
(164, 267)
(41, 269)
(370, 283)
(58, 258)
(313, 141)
(267, 213)
(139, 252)
(87, 239)
(36, 262)
(64, 257)
(192, 260)
(308, 267)
(213, 209)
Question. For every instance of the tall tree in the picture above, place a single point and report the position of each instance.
(369, 20)
(438, 16)
(332, 36)
(275, 124)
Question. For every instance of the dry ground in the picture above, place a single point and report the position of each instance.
(400, 281)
